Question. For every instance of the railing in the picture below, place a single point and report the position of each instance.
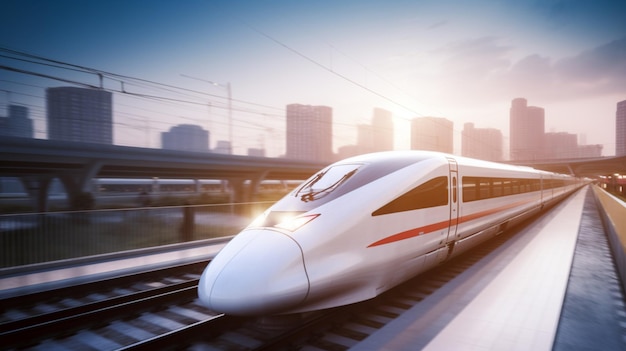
(41, 237)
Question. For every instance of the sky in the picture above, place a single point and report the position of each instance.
(461, 60)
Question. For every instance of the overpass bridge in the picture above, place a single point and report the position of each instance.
(36, 162)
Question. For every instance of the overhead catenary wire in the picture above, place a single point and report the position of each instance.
(190, 96)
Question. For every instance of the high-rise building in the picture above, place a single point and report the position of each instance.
(377, 136)
(432, 133)
(17, 124)
(186, 137)
(223, 147)
(585, 151)
(364, 139)
(382, 130)
(560, 145)
(620, 129)
(79, 114)
(309, 132)
(257, 152)
(527, 129)
(481, 143)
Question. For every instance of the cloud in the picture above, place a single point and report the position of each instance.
(482, 69)
(439, 24)
(476, 58)
(600, 70)
(595, 72)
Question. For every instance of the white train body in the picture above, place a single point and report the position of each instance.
(366, 224)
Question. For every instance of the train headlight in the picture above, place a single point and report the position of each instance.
(294, 223)
(257, 222)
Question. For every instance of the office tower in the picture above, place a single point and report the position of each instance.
(481, 143)
(382, 130)
(620, 129)
(256, 152)
(79, 114)
(309, 133)
(223, 147)
(186, 137)
(17, 124)
(527, 129)
(432, 133)
(589, 151)
(560, 145)
(364, 139)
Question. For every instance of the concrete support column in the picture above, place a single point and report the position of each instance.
(237, 190)
(79, 186)
(37, 188)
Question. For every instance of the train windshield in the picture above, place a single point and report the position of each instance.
(326, 181)
(341, 178)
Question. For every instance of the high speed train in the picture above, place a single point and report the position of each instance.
(368, 223)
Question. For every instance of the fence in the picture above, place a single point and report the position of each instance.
(41, 237)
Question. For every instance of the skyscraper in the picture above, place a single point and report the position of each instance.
(432, 133)
(186, 137)
(527, 129)
(309, 132)
(382, 128)
(620, 129)
(17, 124)
(377, 136)
(560, 145)
(481, 143)
(364, 139)
(79, 114)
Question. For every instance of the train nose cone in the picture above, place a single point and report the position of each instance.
(259, 272)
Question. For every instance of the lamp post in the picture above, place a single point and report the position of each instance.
(230, 108)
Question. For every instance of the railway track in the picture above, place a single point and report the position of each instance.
(159, 310)
(63, 316)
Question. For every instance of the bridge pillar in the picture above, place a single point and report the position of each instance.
(254, 186)
(37, 188)
(78, 186)
(244, 193)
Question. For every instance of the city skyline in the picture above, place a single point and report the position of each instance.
(76, 114)
(412, 59)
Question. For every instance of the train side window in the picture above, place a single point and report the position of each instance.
(470, 191)
(515, 186)
(432, 193)
(485, 188)
(454, 186)
(536, 184)
(527, 185)
(506, 187)
(496, 187)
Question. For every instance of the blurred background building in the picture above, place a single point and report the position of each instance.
(186, 137)
(79, 114)
(620, 129)
(432, 134)
(309, 133)
(17, 123)
(527, 129)
(481, 143)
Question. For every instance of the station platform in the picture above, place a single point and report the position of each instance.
(45, 276)
(513, 299)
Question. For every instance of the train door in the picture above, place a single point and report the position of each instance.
(454, 202)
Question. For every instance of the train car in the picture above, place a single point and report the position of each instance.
(366, 224)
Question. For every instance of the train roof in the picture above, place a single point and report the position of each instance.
(408, 157)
